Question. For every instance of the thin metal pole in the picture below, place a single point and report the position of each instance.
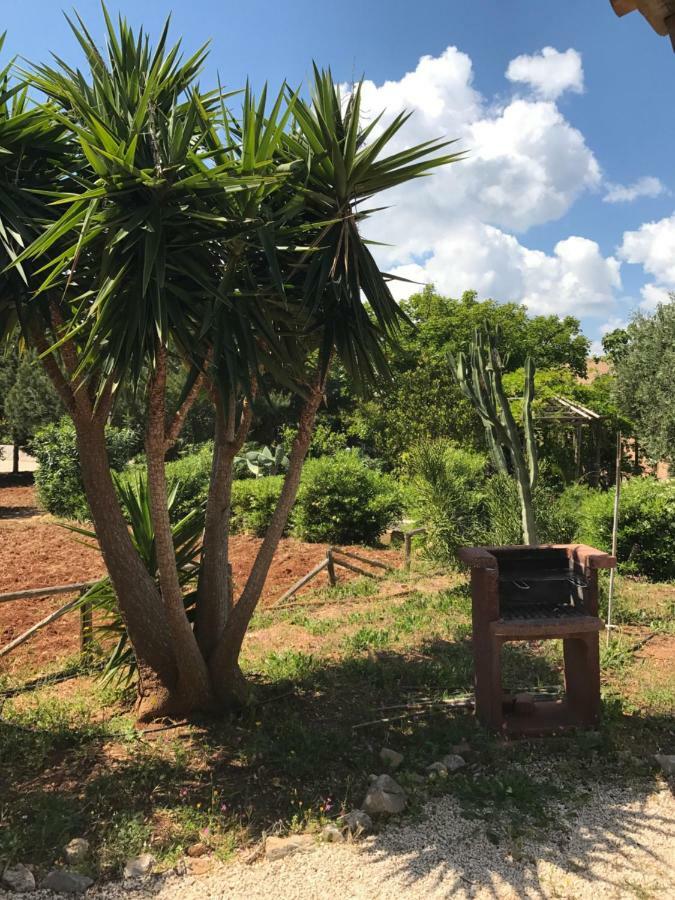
(615, 532)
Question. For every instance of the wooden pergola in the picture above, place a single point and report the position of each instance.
(659, 13)
(576, 416)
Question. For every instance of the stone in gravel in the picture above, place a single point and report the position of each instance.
(667, 763)
(198, 849)
(385, 797)
(63, 881)
(453, 762)
(76, 851)
(437, 770)
(200, 866)
(357, 822)
(19, 878)
(391, 758)
(278, 847)
(139, 866)
(331, 834)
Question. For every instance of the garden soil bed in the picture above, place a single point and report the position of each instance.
(37, 551)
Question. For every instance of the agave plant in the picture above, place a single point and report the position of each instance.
(266, 461)
(109, 629)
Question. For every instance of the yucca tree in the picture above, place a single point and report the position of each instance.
(230, 241)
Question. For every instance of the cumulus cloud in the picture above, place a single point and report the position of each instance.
(549, 73)
(653, 247)
(647, 186)
(525, 166)
(575, 278)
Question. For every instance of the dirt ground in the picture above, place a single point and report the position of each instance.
(36, 550)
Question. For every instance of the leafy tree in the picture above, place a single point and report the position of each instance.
(185, 233)
(644, 379)
(423, 401)
(30, 401)
(615, 344)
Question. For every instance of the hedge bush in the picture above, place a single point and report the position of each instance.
(646, 537)
(191, 474)
(58, 477)
(345, 500)
(253, 502)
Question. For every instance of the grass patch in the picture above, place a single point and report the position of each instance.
(72, 765)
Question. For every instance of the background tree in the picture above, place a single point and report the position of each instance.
(29, 402)
(644, 379)
(423, 400)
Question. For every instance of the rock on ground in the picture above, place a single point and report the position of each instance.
(62, 881)
(278, 847)
(620, 846)
(139, 866)
(385, 797)
(667, 763)
(391, 758)
(76, 851)
(18, 878)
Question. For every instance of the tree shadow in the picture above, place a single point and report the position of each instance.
(302, 752)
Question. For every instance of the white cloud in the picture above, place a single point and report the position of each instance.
(652, 295)
(575, 278)
(526, 165)
(549, 73)
(647, 186)
(653, 247)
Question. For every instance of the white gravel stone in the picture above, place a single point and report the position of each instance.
(620, 846)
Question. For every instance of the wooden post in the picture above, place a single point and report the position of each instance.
(15, 459)
(407, 551)
(615, 533)
(86, 628)
(330, 566)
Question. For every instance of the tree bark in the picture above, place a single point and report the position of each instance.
(228, 681)
(139, 601)
(15, 458)
(214, 590)
(193, 688)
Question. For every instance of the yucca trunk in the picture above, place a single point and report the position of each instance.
(140, 604)
(228, 681)
(193, 690)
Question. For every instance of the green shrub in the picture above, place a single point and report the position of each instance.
(253, 502)
(58, 477)
(191, 475)
(646, 537)
(449, 496)
(344, 500)
(556, 521)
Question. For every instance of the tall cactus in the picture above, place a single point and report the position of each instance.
(479, 375)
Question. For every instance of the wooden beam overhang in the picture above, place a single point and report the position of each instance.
(659, 13)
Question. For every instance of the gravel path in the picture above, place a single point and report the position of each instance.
(620, 843)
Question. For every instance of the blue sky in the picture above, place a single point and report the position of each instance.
(528, 216)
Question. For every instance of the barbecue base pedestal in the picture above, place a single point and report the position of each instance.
(501, 615)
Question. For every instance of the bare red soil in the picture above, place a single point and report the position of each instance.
(37, 551)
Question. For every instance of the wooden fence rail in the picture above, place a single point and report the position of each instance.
(80, 587)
